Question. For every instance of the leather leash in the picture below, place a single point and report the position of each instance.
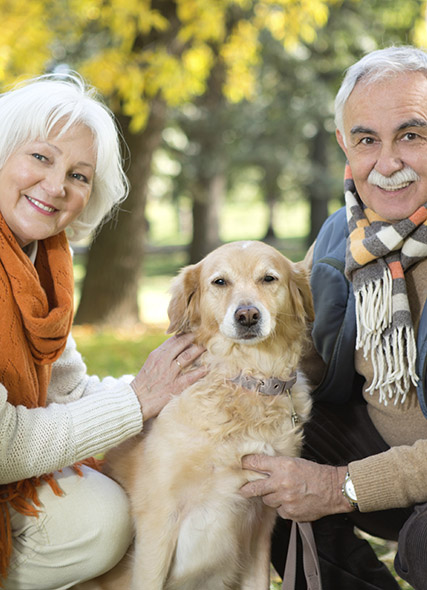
(309, 556)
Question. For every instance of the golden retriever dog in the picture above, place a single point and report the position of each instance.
(249, 306)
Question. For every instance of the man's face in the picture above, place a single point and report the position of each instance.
(385, 127)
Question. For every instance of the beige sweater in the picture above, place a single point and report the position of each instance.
(398, 477)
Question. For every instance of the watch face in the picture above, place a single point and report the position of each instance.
(350, 491)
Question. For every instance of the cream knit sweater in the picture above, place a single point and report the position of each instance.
(84, 416)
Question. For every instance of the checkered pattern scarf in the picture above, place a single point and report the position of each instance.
(378, 254)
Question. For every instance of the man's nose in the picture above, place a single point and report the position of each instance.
(389, 160)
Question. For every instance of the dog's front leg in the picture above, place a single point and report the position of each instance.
(157, 534)
(257, 573)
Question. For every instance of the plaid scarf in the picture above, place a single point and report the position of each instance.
(378, 254)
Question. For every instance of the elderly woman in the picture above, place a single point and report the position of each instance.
(60, 170)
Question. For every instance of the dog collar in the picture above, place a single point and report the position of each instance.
(270, 386)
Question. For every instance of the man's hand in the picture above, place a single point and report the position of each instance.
(300, 490)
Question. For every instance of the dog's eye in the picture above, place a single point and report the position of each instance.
(269, 279)
(220, 282)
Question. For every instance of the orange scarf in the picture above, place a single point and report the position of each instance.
(36, 312)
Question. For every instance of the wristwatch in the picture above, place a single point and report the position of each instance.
(349, 492)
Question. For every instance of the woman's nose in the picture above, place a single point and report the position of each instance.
(54, 183)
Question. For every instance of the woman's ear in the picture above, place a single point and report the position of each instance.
(183, 310)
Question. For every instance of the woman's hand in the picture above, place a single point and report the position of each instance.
(162, 374)
(300, 490)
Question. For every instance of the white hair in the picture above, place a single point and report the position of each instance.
(375, 66)
(30, 111)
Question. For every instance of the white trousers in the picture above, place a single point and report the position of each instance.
(76, 537)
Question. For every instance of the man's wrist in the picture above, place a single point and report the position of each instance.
(349, 491)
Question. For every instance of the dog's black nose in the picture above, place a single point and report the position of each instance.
(247, 315)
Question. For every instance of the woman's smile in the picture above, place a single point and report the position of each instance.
(42, 207)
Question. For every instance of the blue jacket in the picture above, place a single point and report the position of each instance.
(334, 328)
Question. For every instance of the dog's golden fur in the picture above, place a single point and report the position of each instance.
(194, 531)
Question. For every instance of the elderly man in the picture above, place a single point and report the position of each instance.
(365, 458)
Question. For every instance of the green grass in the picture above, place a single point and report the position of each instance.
(107, 352)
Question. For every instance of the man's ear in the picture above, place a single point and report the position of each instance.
(341, 142)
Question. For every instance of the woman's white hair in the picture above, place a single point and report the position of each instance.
(375, 66)
(30, 111)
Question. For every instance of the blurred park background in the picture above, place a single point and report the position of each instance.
(226, 107)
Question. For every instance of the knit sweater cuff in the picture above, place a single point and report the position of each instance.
(105, 419)
(374, 480)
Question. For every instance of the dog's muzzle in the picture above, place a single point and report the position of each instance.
(247, 319)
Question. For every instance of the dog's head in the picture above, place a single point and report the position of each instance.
(246, 291)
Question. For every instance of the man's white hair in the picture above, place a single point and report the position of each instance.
(375, 66)
(31, 110)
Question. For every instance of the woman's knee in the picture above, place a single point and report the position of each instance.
(78, 536)
(103, 509)
(410, 562)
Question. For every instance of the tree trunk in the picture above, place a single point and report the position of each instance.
(271, 197)
(114, 266)
(206, 207)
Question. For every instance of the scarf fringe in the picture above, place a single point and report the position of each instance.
(374, 317)
(397, 383)
(397, 350)
(393, 355)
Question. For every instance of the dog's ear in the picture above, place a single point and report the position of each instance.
(301, 292)
(183, 310)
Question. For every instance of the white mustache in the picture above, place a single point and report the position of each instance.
(398, 178)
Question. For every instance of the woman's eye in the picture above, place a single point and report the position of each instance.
(80, 177)
(38, 156)
(220, 282)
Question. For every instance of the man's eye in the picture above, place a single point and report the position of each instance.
(410, 136)
(367, 141)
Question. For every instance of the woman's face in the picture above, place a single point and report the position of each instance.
(46, 184)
